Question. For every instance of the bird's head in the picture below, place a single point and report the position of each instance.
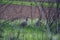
(27, 18)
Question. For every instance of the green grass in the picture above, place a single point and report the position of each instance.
(45, 4)
(30, 32)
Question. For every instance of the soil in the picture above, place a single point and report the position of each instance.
(11, 11)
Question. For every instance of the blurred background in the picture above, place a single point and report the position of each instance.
(29, 19)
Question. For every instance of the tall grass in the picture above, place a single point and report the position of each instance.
(30, 32)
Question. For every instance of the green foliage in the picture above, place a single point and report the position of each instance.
(30, 32)
(45, 4)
